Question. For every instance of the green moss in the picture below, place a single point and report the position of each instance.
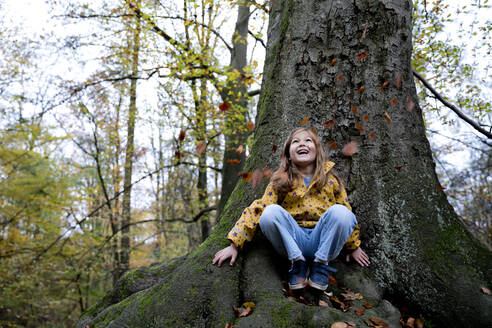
(281, 315)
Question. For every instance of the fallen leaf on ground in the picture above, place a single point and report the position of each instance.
(394, 101)
(249, 304)
(340, 77)
(332, 281)
(367, 305)
(350, 296)
(485, 290)
(365, 118)
(388, 118)
(362, 55)
(359, 311)
(384, 85)
(359, 127)
(354, 110)
(323, 303)
(344, 306)
(333, 61)
(371, 135)
(379, 322)
(339, 324)
(362, 88)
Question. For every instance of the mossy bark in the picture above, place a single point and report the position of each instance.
(422, 256)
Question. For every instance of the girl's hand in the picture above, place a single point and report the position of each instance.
(359, 256)
(228, 252)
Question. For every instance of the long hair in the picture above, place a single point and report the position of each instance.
(284, 177)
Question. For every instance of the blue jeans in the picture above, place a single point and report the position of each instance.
(323, 242)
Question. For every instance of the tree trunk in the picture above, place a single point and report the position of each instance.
(235, 94)
(421, 254)
(134, 47)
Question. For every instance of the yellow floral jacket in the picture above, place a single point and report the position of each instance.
(306, 205)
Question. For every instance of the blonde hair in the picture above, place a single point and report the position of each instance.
(284, 177)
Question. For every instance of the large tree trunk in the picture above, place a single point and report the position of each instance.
(421, 255)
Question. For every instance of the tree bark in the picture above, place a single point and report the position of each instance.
(422, 256)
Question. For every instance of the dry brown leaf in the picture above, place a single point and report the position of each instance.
(323, 303)
(251, 305)
(354, 110)
(182, 135)
(359, 311)
(332, 281)
(305, 120)
(274, 148)
(247, 311)
(485, 290)
(333, 145)
(224, 106)
(361, 89)
(344, 306)
(359, 127)
(349, 149)
(365, 118)
(339, 324)
(394, 101)
(329, 124)
(340, 77)
(350, 296)
(410, 103)
(267, 173)
(239, 150)
(200, 147)
(388, 118)
(398, 82)
(384, 85)
(364, 32)
(379, 322)
(256, 178)
(251, 126)
(367, 305)
(362, 55)
(333, 61)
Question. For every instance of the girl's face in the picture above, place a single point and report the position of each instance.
(302, 150)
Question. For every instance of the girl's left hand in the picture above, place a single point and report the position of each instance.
(359, 256)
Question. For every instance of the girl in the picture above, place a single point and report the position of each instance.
(304, 213)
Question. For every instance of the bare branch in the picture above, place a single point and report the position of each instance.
(451, 106)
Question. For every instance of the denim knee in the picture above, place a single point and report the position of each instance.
(341, 216)
(270, 214)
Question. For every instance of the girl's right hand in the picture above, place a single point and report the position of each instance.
(228, 252)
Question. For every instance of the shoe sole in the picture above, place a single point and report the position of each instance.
(317, 286)
(295, 287)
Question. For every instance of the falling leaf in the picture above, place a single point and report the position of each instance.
(274, 148)
(246, 176)
(340, 77)
(329, 124)
(388, 118)
(441, 188)
(362, 55)
(359, 311)
(485, 290)
(398, 82)
(371, 135)
(200, 147)
(359, 127)
(178, 155)
(332, 281)
(323, 303)
(239, 150)
(384, 85)
(267, 173)
(361, 89)
(410, 104)
(256, 178)
(354, 110)
(365, 118)
(333, 61)
(251, 126)
(305, 120)
(224, 106)
(394, 101)
(367, 305)
(182, 135)
(333, 145)
(364, 32)
(339, 324)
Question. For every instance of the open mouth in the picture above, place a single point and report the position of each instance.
(302, 152)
